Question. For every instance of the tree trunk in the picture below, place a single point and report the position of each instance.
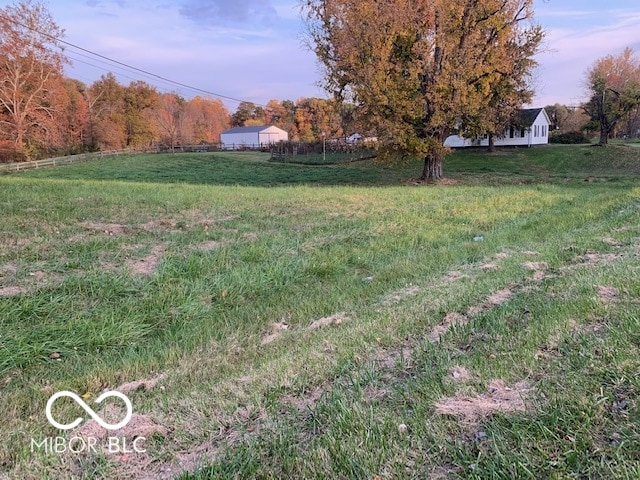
(432, 169)
(604, 136)
(492, 144)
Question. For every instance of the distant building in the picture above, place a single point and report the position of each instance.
(529, 127)
(357, 138)
(252, 137)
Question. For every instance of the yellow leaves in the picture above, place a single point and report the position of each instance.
(417, 66)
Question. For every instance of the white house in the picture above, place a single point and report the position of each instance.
(252, 137)
(529, 127)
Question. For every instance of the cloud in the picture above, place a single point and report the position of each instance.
(222, 12)
(572, 47)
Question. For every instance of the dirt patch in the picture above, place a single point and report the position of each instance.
(536, 265)
(335, 319)
(490, 267)
(372, 393)
(499, 398)
(399, 295)
(8, 269)
(453, 319)
(208, 246)
(390, 359)
(250, 237)
(613, 242)
(607, 294)
(598, 258)
(502, 256)
(106, 228)
(494, 300)
(145, 266)
(539, 270)
(13, 291)
(447, 182)
(460, 374)
(138, 426)
(276, 332)
(307, 401)
(454, 276)
(500, 297)
(144, 385)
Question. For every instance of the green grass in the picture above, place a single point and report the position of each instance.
(235, 244)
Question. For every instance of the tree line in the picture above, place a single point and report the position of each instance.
(409, 72)
(43, 113)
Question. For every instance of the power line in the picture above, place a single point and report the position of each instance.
(131, 67)
(122, 65)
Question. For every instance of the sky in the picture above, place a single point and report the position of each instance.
(254, 50)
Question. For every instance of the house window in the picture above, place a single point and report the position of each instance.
(544, 130)
(535, 130)
(511, 131)
(522, 132)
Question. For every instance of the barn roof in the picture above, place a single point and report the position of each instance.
(249, 129)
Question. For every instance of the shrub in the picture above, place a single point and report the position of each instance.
(569, 138)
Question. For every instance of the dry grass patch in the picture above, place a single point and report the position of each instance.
(499, 398)
(461, 374)
(454, 276)
(452, 319)
(335, 319)
(209, 245)
(136, 385)
(13, 291)
(399, 295)
(147, 265)
(607, 294)
(276, 332)
(106, 228)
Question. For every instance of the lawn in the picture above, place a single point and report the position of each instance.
(327, 321)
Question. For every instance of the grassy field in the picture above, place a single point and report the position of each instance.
(336, 321)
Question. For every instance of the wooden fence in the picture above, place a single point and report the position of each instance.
(52, 162)
(85, 157)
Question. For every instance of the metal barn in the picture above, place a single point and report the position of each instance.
(252, 137)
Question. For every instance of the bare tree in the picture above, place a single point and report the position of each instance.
(614, 87)
(31, 61)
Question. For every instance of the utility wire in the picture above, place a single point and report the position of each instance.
(131, 67)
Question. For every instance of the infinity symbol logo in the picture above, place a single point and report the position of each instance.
(88, 409)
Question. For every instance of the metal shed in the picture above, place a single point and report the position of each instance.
(252, 137)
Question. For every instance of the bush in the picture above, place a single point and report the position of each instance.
(569, 138)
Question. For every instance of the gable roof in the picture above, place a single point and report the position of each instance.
(526, 116)
(250, 129)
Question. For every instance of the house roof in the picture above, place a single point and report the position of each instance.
(526, 116)
(250, 129)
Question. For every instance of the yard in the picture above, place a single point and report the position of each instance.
(272, 320)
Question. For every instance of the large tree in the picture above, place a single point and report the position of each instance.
(614, 89)
(206, 119)
(140, 99)
(170, 118)
(31, 62)
(106, 99)
(417, 68)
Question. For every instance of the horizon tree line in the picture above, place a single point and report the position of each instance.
(407, 86)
